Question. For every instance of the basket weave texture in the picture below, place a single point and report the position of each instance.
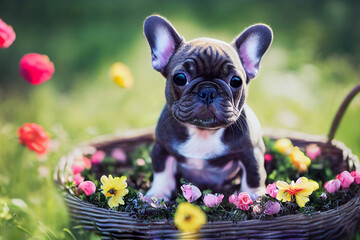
(332, 224)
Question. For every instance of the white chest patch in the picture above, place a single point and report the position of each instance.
(202, 144)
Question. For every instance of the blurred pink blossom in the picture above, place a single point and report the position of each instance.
(313, 151)
(7, 35)
(242, 201)
(78, 179)
(356, 176)
(36, 68)
(323, 196)
(345, 178)
(119, 155)
(268, 157)
(191, 192)
(140, 162)
(212, 200)
(77, 168)
(257, 209)
(272, 190)
(332, 185)
(98, 157)
(142, 197)
(87, 162)
(88, 187)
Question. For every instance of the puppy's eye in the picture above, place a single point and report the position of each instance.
(235, 82)
(180, 79)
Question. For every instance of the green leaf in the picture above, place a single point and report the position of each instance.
(70, 233)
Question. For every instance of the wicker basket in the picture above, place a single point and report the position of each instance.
(337, 223)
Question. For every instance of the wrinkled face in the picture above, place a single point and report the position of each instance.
(207, 79)
(206, 84)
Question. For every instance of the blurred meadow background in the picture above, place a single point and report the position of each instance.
(312, 64)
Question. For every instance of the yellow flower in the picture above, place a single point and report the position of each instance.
(121, 75)
(284, 146)
(114, 189)
(299, 160)
(301, 190)
(189, 218)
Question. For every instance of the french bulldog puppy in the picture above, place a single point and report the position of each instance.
(206, 133)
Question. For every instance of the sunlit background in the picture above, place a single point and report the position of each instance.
(312, 64)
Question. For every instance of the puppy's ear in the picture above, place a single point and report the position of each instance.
(251, 46)
(163, 40)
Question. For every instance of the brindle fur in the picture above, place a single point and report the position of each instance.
(207, 63)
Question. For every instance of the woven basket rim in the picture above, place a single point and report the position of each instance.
(355, 200)
(167, 227)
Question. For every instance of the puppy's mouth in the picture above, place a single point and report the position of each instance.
(205, 123)
(212, 117)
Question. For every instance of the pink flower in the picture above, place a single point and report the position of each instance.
(313, 151)
(36, 68)
(87, 162)
(119, 155)
(88, 187)
(212, 200)
(323, 196)
(257, 209)
(356, 176)
(268, 157)
(77, 168)
(7, 35)
(242, 201)
(97, 157)
(140, 162)
(191, 192)
(345, 178)
(332, 185)
(272, 190)
(78, 179)
(272, 208)
(142, 197)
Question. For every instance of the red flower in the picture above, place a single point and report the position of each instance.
(7, 35)
(36, 68)
(34, 137)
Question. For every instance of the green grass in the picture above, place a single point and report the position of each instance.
(303, 78)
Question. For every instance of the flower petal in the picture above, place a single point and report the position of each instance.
(282, 185)
(301, 200)
(301, 180)
(113, 202)
(104, 179)
(122, 193)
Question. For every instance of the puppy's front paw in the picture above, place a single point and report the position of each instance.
(162, 186)
(155, 193)
(164, 182)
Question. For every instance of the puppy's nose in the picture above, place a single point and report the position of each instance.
(207, 95)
